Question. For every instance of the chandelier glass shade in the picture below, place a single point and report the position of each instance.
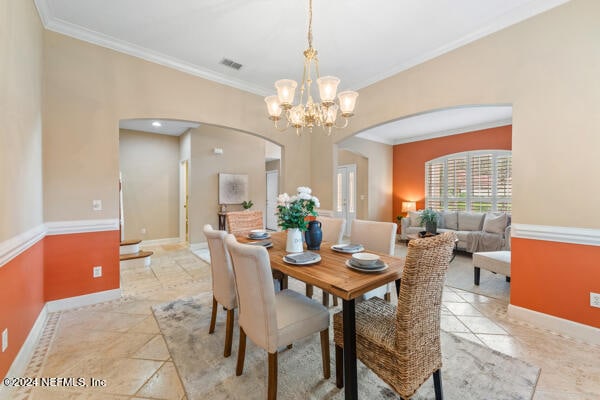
(309, 114)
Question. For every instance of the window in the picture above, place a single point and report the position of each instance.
(471, 181)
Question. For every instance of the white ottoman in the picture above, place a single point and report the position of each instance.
(494, 261)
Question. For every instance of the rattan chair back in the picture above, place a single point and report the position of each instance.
(242, 222)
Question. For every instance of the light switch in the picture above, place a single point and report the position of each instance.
(97, 205)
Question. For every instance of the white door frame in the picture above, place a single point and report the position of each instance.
(345, 196)
(270, 217)
(184, 200)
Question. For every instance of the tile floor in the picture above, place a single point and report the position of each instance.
(120, 343)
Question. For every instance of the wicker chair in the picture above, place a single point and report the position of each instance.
(241, 223)
(402, 344)
(223, 282)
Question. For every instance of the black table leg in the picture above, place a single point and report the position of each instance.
(350, 376)
(398, 287)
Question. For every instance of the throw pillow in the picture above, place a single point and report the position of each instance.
(415, 218)
(495, 223)
(470, 221)
(450, 220)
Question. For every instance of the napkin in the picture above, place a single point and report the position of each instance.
(302, 257)
(265, 243)
(350, 247)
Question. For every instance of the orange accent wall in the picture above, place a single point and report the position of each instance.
(409, 159)
(556, 278)
(69, 260)
(21, 299)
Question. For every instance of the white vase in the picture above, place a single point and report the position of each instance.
(294, 241)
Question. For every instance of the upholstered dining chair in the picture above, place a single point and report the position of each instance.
(375, 236)
(401, 344)
(223, 283)
(272, 319)
(333, 232)
(241, 223)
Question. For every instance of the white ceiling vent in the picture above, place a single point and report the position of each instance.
(231, 63)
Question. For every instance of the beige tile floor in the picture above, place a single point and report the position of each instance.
(120, 342)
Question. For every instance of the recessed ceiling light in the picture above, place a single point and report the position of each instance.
(156, 124)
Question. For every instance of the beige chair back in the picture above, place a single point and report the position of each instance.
(332, 228)
(419, 302)
(374, 236)
(256, 292)
(242, 222)
(223, 283)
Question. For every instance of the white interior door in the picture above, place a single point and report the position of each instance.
(272, 192)
(345, 204)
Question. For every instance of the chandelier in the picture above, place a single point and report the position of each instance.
(311, 114)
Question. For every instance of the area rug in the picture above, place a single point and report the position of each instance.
(470, 371)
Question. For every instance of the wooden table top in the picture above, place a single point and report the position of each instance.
(331, 274)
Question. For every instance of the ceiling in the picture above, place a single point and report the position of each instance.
(361, 42)
(167, 126)
(439, 123)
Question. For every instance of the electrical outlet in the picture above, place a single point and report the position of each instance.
(97, 205)
(97, 271)
(4, 339)
(595, 299)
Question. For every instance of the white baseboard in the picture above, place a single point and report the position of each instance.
(585, 333)
(19, 365)
(154, 242)
(84, 300)
(198, 246)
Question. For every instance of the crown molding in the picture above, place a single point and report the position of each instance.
(513, 17)
(82, 226)
(87, 35)
(14, 246)
(562, 234)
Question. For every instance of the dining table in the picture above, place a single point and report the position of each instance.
(333, 276)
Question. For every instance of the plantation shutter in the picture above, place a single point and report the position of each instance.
(457, 184)
(482, 182)
(434, 185)
(504, 183)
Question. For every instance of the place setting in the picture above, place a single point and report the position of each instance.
(366, 262)
(304, 258)
(347, 248)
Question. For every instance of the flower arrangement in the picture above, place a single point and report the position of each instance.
(292, 211)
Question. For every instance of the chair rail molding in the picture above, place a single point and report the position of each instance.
(82, 226)
(16, 245)
(563, 234)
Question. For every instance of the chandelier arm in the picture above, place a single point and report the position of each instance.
(346, 122)
(281, 129)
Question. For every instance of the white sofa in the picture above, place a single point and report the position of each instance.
(475, 231)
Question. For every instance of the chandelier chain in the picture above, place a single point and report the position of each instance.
(310, 37)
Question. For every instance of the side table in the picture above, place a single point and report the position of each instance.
(222, 220)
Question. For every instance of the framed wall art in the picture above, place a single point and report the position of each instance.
(233, 188)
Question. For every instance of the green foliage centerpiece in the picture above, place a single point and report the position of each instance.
(291, 215)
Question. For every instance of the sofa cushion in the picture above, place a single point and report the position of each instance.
(415, 218)
(449, 220)
(495, 223)
(470, 221)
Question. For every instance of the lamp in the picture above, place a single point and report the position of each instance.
(323, 114)
(409, 206)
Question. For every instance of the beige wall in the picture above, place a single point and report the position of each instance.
(149, 165)
(362, 180)
(547, 68)
(88, 89)
(242, 154)
(21, 203)
(380, 169)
